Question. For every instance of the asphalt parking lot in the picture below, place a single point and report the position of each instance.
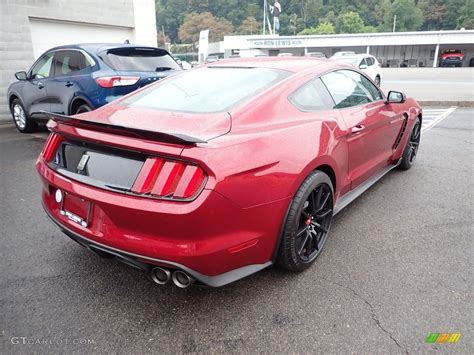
(397, 266)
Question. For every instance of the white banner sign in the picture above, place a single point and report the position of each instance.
(203, 45)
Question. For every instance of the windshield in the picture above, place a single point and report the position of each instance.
(349, 60)
(139, 59)
(206, 90)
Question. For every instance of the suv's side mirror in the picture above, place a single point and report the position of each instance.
(396, 97)
(21, 75)
(363, 66)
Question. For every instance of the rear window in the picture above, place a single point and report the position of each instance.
(139, 59)
(207, 90)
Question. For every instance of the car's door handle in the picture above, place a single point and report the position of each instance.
(69, 83)
(40, 85)
(358, 128)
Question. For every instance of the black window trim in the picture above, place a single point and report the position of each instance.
(383, 99)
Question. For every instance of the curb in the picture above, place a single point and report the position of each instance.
(446, 103)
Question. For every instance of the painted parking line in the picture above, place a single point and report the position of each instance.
(431, 117)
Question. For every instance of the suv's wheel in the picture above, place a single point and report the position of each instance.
(83, 108)
(307, 224)
(22, 122)
(411, 149)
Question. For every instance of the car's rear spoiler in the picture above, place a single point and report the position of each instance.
(129, 131)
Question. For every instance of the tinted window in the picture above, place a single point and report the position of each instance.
(365, 83)
(207, 89)
(69, 62)
(312, 96)
(345, 91)
(42, 68)
(139, 59)
(370, 61)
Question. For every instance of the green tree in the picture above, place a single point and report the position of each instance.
(433, 13)
(466, 20)
(409, 16)
(380, 10)
(453, 12)
(195, 22)
(249, 26)
(330, 16)
(349, 22)
(324, 28)
(170, 14)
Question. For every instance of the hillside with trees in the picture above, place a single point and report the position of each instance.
(183, 19)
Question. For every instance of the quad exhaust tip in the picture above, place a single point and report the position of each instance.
(160, 276)
(182, 279)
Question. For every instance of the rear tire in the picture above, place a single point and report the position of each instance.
(307, 224)
(411, 149)
(83, 108)
(23, 122)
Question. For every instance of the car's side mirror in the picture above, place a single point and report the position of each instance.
(21, 75)
(363, 66)
(396, 97)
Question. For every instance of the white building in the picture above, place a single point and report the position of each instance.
(391, 49)
(30, 27)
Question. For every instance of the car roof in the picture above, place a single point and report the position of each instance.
(359, 55)
(292, 64)
(99, 47)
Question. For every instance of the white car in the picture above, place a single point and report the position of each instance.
(366, 63)
(342, 54)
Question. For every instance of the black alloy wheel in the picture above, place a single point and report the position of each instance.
(313, 226)
(411, 149)
(308, 222)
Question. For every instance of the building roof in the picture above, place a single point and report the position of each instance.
(293, 64)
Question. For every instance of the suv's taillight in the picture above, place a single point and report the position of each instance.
(51, 146)
(113, 81)
(171, 179)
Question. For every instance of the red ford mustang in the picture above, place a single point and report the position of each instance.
(216, 173)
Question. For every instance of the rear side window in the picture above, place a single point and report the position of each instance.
(312, 96)
(70, 61)
(206, 90)
(139, 59)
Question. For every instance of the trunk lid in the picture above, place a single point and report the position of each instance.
(203, 127)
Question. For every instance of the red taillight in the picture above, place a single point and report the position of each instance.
(51, 146)
(113, 81)
(171, 179)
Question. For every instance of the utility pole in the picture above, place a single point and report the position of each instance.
(394, 22)
(264, 15)
(164, 36)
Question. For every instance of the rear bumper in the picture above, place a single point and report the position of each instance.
(211, 238)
